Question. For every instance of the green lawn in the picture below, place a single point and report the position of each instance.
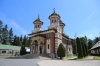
(68, 57)
(97, 57)
(83, 58)
(74, 57)
(6, 56)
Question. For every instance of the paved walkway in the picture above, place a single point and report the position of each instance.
(19, 62)
(90, 58)
(69, 63)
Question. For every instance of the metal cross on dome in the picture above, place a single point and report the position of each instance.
(38, 16)
(54, 10)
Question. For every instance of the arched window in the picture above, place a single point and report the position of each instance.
(52, 21)
(69, 49)
(35, 26)
(33, 47)
(55, 21)
(38, 26)
(48, 46)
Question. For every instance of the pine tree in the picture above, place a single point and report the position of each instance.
(1, 26)
(86, 49)
(21, 40)
(83, 47)
(10, 35)
(86, 46)
(16, 41)
(26, 41)
(5, 34)
(90, 44)
(73, 45)
(96, 39)
(79, 48)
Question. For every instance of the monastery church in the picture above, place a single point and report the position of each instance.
(47, 41)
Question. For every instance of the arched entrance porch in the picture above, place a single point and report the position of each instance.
(37, 47)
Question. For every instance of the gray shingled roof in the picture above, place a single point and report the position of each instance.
(96, 45)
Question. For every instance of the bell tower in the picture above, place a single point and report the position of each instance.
(54, 20)
(37, 25)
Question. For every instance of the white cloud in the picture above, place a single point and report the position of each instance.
(13, 24)
(90, 16)
(17, 27)
(91, 35)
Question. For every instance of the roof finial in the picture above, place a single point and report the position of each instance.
(54, 10)
(38, 16)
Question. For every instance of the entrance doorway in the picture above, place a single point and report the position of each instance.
(40, 50)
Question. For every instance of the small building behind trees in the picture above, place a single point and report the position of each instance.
(10, 49)
(95, 50)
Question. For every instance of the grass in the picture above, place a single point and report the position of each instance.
(68, 57)
(6, 56)
(74, 57)
(97, 57)
(83, 58)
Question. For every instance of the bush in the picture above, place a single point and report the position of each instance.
(61, 51)
(22, 50)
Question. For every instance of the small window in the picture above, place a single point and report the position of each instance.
(48, 46)
(4, 51)
(55, 21)
(69, 49)
(33, 47)
(38, 26)
(35, 26)
(52, 21)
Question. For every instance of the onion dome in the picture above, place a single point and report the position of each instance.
(61, 23)
(38, 20)
(54, 14)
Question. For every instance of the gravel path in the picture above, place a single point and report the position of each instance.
(69, 63)
(19, 62)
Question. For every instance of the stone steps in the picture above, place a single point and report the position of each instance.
(35, 56)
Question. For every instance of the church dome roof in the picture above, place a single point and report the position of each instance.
(37, 20)
(54, 14)
(61, 23)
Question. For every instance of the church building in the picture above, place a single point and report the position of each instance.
(47, 41)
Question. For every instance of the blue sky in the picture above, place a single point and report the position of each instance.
(81, 16)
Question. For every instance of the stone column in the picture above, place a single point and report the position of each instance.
(33, 49)
(42, 49)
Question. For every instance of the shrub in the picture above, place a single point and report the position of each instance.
(61, 51)
(22, 50)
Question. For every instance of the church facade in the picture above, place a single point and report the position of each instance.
(47, 41)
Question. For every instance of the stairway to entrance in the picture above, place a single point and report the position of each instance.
(44, 56)
(35, 56)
